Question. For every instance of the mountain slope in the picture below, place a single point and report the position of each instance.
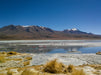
(38, 32)
(75, 31)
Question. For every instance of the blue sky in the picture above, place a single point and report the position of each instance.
(56, 14)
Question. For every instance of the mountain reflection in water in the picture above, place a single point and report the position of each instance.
(48, 49)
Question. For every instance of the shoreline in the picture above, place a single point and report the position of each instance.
(68, 44)
(67, 59)
(37, 64)
(85, 43)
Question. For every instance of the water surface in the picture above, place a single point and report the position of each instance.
(52, 46)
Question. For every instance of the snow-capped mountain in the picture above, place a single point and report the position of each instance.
(39, 32)
(73, 29)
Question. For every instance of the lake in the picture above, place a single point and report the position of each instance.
(52, 46)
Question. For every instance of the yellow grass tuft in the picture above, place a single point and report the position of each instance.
(12, 53)
(3, 74)
(28, 58)
(30, 71)
(70, 68)
(13, 72)
(54, 67)
(16, 59)
(78, 72)
(3, 54)
(98, 53)
(2, 59)
(26, 63)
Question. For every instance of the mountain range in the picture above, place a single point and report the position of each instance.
(12, 32)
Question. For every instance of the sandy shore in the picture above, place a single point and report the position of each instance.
(75, 59)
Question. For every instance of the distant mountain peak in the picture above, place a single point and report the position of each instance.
(42, 27)
(73, 29)
(27, 25)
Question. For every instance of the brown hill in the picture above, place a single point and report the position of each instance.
(13, 32)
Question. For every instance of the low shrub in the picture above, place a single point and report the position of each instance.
(28, 58)
(54, 67)
(98, 53)
(26, 63)
(30, 71)
(2, 59)
(70, 68)
(12, 53)
(78, 72)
